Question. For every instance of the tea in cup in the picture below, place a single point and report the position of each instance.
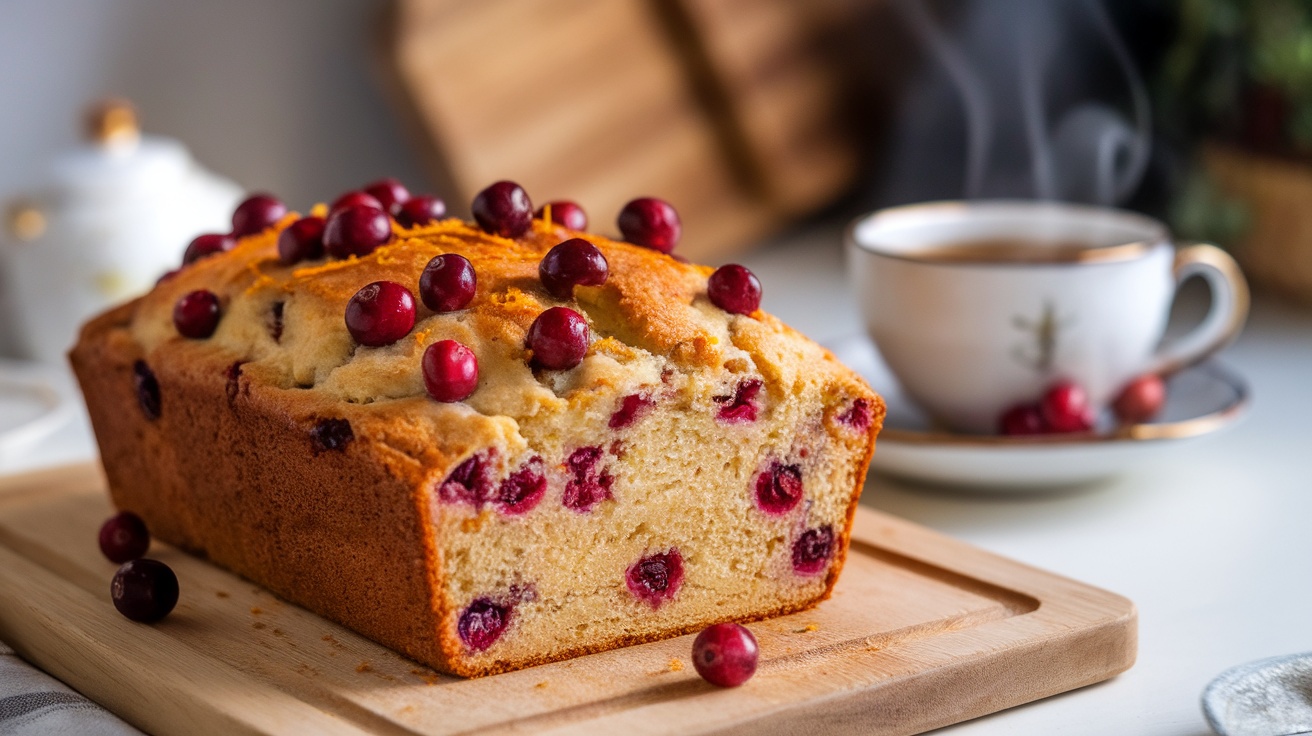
(977, 307)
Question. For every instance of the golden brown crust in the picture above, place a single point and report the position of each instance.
(338, 531)
(863, 464)
(648, 301)
(230, 469)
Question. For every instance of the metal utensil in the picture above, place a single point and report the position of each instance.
(1269, 697)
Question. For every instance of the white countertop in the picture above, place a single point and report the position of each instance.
(1213, 544)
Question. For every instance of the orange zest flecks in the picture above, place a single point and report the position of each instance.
(386, 258)
(266, 238)
(310, 271)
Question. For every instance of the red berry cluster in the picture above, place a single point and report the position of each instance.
(142, 589)
(383, 312)
(357, 223)
(1065, 408)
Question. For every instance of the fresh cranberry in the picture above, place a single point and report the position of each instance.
(421, 210)
(389, 192)
(196, 314)
(631, 408)
(740, 406)
(143, 378)
(353, 199)
(858, 416)
(523, 489)
(1065, 408)
(1022, 419)
(448, 283)
(274, 322)
(356, 231)
(470, 482)
(255, 214)
(301, 241)
(734, 289)
(204, 246)
(380, 314)
(503, 209)
(124, 537)
(482, 623)
(144, 590)
(167, 275)
(779, 489)
(655, 579)
(587, 486)
(812, 549)
(331, 435)
(575, 262)
(651, 222)
(564, 212)
(725, 654)
(1141, 399)
(450, 371)
(558, 338)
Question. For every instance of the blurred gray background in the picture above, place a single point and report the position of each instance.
(280, 95)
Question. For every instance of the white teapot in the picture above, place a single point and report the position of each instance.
(117, 213)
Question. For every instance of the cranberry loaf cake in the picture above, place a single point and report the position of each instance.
(486, 445)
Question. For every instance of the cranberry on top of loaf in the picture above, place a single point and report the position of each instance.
(601, 443)
(651, 314)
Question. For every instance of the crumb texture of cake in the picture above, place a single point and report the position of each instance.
(696, 466)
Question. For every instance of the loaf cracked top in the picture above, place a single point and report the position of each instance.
(651, 318)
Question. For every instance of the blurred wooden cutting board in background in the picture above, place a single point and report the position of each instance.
(730, 109)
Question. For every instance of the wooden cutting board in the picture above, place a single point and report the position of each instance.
(736, 111)
(922, 631)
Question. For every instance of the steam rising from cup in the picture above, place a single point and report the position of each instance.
(1092, 153)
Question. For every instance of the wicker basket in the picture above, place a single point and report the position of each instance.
(1276, 251)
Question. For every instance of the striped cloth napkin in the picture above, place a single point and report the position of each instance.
(33, 703)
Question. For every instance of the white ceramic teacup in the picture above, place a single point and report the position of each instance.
(972, 326)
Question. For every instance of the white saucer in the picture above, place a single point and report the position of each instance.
(30, 409)
(1200, 400)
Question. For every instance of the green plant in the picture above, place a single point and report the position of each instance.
(1241, 68)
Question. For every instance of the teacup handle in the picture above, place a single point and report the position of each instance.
(1230, 300)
